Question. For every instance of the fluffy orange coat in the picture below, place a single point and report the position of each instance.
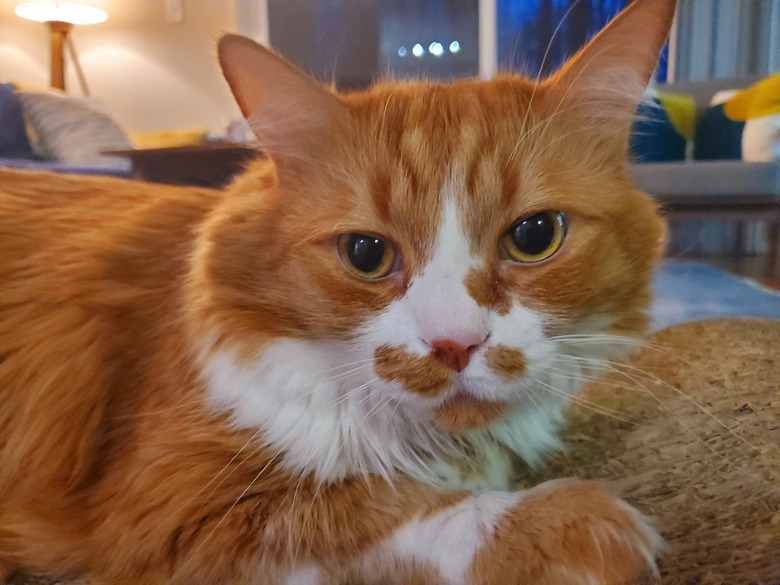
(112, 462)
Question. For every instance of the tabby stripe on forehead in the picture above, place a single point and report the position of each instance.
(483, 153)
(508, 179)
(381, 188)
(510, 183)
(472, 175)
(410, 172)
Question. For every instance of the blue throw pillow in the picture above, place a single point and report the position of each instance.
(717, 136)
(13, 138)
(663, 127)
(654, 137)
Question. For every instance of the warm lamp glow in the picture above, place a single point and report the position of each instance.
(60, 18)
(54, 11)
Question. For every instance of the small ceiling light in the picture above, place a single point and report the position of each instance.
(436, 49)
(454, 47)
(418, 50)
(402, 52)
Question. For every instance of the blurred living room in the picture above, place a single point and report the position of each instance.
(132, 88)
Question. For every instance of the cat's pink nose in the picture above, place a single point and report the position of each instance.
(454, 355)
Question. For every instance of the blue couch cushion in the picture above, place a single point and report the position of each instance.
(13, 138)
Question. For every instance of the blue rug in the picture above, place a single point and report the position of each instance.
(690, 291)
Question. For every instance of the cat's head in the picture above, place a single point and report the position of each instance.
(433, 251)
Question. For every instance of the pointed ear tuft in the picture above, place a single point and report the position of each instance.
(287, 111)
(608, 76)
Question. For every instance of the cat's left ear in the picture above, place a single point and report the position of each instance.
(607, 78)
(289, 112)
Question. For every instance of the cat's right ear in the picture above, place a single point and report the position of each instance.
(288, 111)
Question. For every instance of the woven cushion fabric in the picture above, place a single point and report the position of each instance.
(687, 431)
(72, 130)
(13, 138)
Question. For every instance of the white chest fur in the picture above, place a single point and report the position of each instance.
(323, 414)
(320, 412)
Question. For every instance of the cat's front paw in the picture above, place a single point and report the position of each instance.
(570, 533)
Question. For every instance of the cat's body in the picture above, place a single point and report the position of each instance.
(296, 380)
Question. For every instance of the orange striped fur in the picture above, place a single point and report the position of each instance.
(194, 389)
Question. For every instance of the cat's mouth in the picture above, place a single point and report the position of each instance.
(463, 410)
(457, 407)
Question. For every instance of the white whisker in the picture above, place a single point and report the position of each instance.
(637, 379)
(602, 410)
(213, 531)
(537, 81)
(217, 476)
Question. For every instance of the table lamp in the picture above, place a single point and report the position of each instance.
(60, 17)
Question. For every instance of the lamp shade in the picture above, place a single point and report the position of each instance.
(53, 10)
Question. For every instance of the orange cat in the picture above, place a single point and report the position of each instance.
(312, 377)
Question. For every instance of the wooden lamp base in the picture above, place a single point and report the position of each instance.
(59, 36)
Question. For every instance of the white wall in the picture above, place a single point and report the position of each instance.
(152, 75)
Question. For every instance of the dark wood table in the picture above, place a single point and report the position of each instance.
(203, 165)
(725, 190)
(737, 208)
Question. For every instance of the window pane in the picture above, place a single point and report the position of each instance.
(334, 40)
(437, 39)
(527, 31)
(354, 42)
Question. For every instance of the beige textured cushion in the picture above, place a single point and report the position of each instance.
(689, 431)
(72, 130)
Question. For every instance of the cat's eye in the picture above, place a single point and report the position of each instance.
(534, 238)
(366, 256)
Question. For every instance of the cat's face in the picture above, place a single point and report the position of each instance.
(429, 249)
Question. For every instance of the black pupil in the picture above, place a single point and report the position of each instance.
(534, 234)
(365, 252)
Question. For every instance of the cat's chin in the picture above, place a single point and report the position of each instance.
(464, 411)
